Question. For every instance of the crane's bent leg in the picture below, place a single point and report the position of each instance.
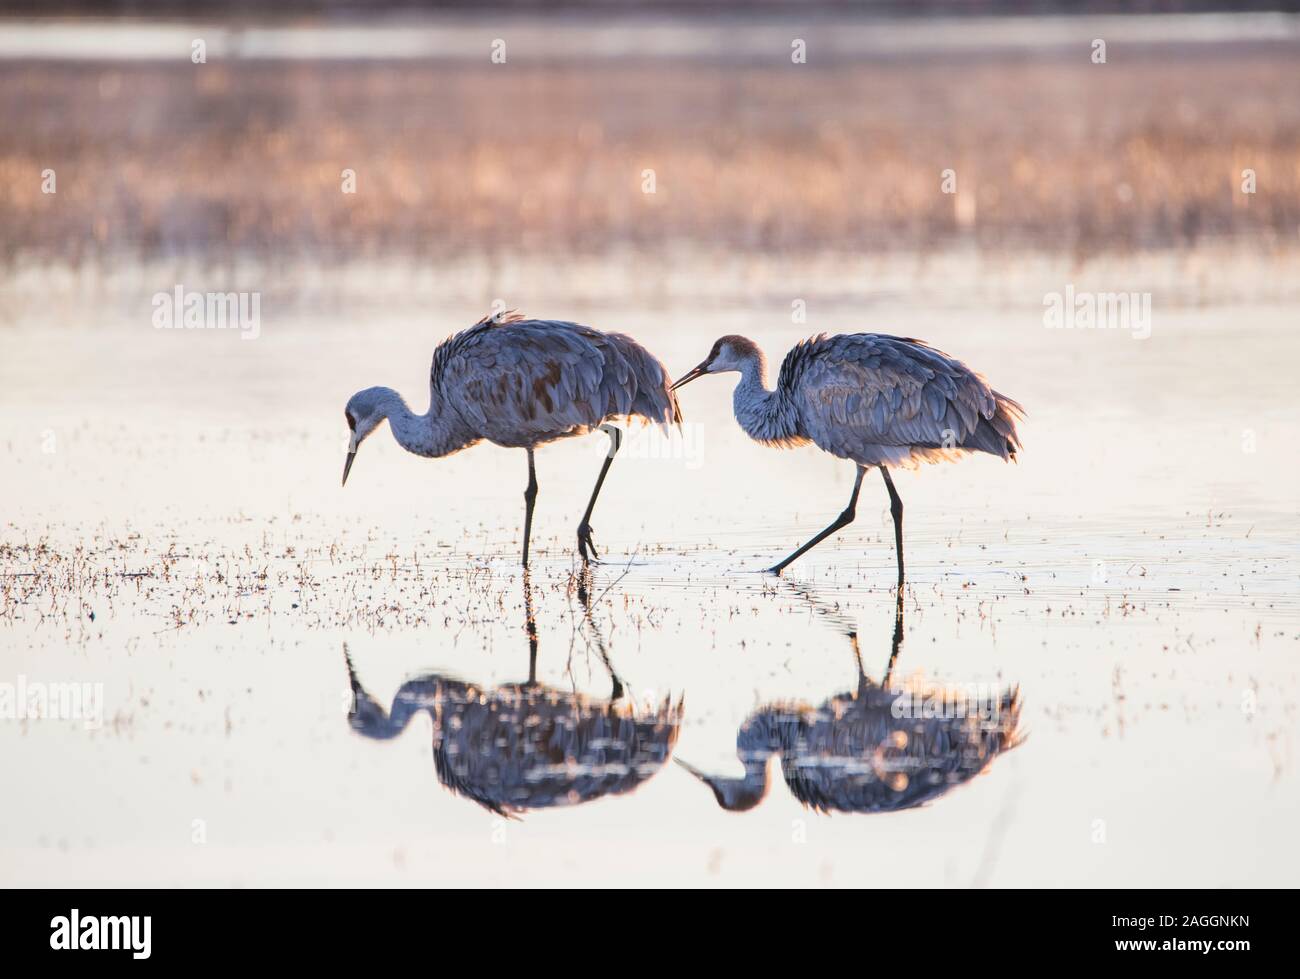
(584, 528)
(843, 520)
(530, 497)
(895, 508)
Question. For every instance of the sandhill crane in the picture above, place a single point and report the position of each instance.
(859, 752)
(874, 399)
(521, 383)
(525, 746)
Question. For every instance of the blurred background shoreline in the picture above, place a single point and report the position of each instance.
(243, 157)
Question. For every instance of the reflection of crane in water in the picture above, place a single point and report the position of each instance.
(874, 749)
(524, 746)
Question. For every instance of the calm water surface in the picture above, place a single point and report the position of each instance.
(306, 685)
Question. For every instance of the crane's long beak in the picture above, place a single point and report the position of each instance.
(692, 374)
(694, 771)
(347, 466)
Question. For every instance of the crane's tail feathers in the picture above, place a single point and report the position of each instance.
(653, 397)
(1006, 416)
(996, 434)
(662, 400)
(676, 409)
(1010, 733)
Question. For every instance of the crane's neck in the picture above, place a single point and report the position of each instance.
(741, 794)
(438, 432)
(759, 739)
(765, 415)
(371, 720)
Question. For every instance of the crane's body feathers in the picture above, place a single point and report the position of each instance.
(521, 383)
(852, 755)
(879, 400)
(525, 746)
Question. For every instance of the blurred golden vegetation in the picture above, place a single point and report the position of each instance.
(160, 159)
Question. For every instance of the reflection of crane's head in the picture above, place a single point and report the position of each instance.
(369, 718)
(735, 794)
(758, 740)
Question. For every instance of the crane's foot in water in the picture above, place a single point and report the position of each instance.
(585, 543)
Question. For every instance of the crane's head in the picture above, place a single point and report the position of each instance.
(729, 353)
(365, 410)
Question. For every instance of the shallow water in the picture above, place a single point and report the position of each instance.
(174, 530)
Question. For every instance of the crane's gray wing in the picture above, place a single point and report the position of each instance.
(524, 381)
(521, 382)
(516, 748)
(654, 399)
(888, 400)
(856, 756)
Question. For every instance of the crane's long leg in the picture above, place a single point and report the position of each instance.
(843, 520)
(584, 528)
(895, 508)
(530, 497)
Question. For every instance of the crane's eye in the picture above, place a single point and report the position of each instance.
(351, 423)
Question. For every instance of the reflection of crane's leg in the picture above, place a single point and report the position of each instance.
(616, 690)
(896, 509)
(530, 627)
(530, 497)
(584, 528)
(898, 641)
(857, 657)
(584, 596)
(352, 679)
(843, 520)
